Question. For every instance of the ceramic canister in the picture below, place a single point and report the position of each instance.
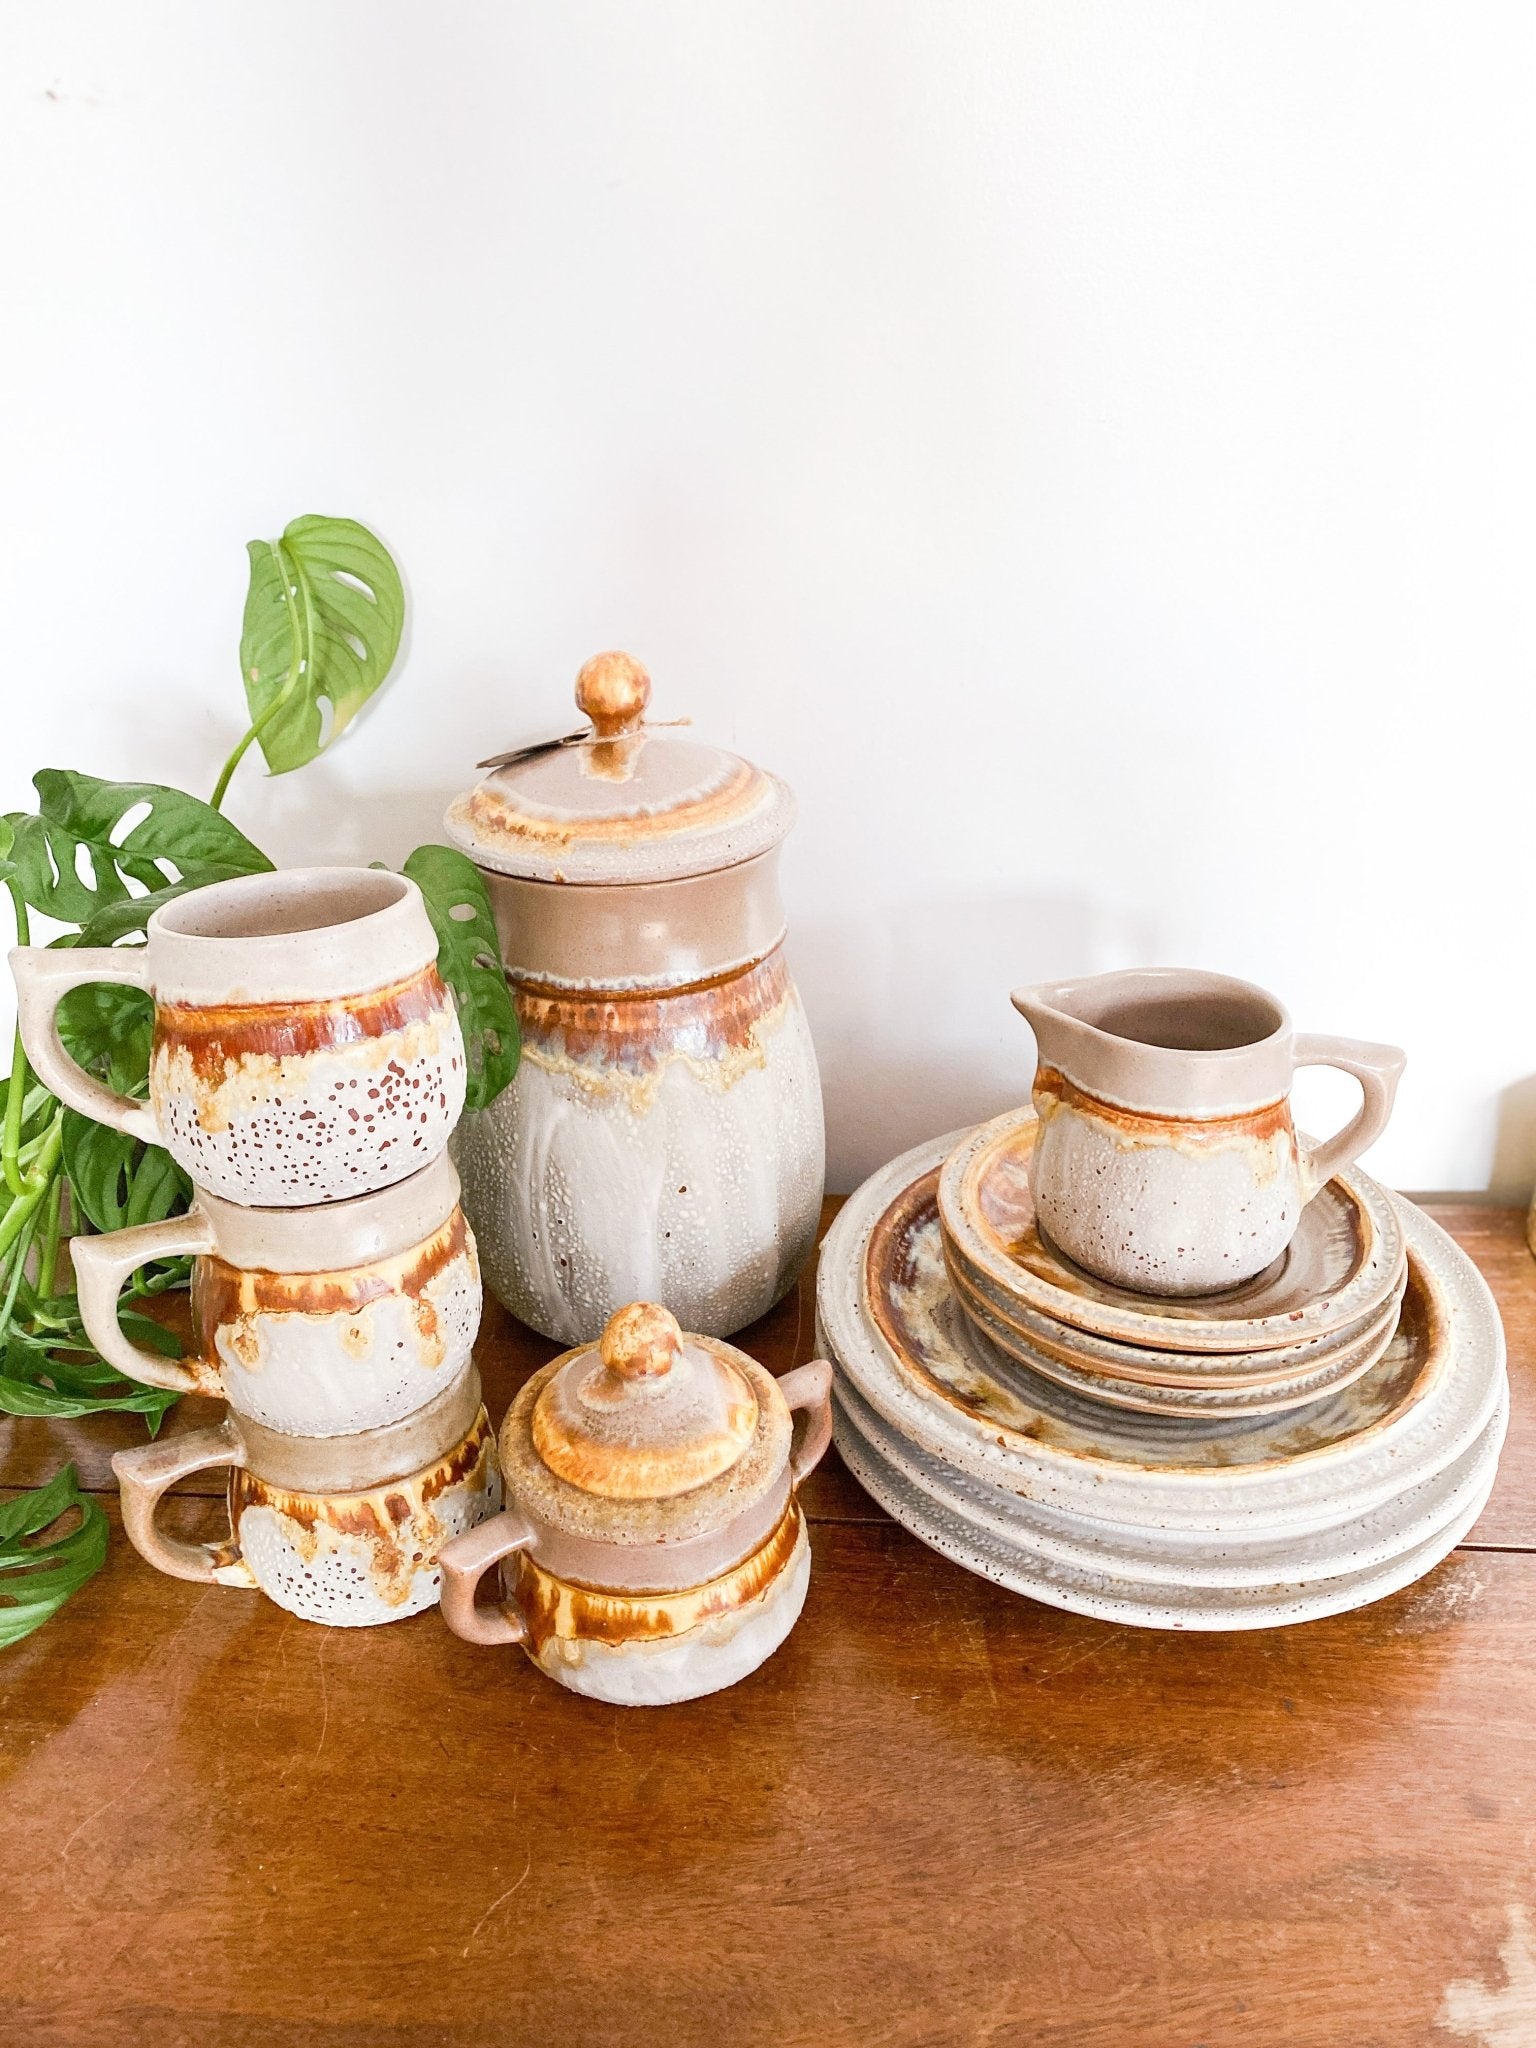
(1167, 1160)
(652, 1549)
(341, 1530)
(663, 1134)
(312, 1322)
(305, 1048)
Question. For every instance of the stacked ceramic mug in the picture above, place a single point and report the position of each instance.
(307, 1073)
(1141, 1351)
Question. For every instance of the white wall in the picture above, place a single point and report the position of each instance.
(1089, 449)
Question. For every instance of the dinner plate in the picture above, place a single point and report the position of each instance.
(1139, 1602)
(1166, 1557)
(1342, 1263)
(891, 1320)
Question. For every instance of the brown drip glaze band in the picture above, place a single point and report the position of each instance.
(1261, 1124)
(549, 1607)
(638, 1030)
(224, 1293)
(214, 1035)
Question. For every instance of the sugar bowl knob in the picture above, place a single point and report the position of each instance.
(641, 1341)
(613, 691)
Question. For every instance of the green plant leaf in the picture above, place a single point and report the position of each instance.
(33, 1381)
(323, 619)
(469, 960)
(74, 861)
(117, 1181)
(37, 1578)
(109, 1030)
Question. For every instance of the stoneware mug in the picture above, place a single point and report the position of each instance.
(313, 1322)
(340, 1530)
(305, 1048)
(1167, 1161)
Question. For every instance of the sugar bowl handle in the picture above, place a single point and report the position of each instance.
(808, 1390)
(465, 1561)
(147, 1473)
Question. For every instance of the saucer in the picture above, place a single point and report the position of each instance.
(892, 1321)
(1029, 1331)
(1267, 1396)
(1341, 1264)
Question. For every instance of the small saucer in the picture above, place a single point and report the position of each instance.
(1182, 1397)
(1342, 1263)
(1030, 1333)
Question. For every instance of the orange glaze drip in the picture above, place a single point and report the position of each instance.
(214, 1037)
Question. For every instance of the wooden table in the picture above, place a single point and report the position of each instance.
(940, 1814)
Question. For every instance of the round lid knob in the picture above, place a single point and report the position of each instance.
(613, 690)
(646, 1412)
(641, 1342)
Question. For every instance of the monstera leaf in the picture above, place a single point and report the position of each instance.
(323, 619)
(469, 960)
(72, 859)
(36, 1578)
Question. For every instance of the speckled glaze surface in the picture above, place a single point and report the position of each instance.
(351, 1555)
(305, 1047)
(310, 1322)
(1167, 1161)
(652, 1549)
(658, 1649)
(1160, 1558)
(890, 1319)
(1267, 1396)
(1117, 1591)
(1342, 1263)
(663, 1135)
(668, 1146)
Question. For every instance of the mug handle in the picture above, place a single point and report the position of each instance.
(144, 1475)
(464, 1562)
(808, 1389)
(1378, 1069)
(44, 976)
(103, 1264)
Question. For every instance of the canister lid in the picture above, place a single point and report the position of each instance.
(624, 801)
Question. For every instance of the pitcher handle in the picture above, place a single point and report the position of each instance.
(1378, 1069)
(44, 976)
(103, 1264)
(808, 1390)
(464, 1562)
(144, 1476)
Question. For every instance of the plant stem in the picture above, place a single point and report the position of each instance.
(19, 1256)
(48, 1257)
(25, 1206)
(294, 658)
(16, 1089)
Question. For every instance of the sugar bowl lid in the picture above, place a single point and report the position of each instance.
(623, 801)
(646, 1435)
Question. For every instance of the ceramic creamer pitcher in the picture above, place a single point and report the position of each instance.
(1167, 1160)
(663, 1135)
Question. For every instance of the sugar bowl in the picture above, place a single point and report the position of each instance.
(652, 1548)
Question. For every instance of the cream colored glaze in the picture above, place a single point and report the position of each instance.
(697, 1184)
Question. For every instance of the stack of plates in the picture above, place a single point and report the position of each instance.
(990, 1436)
(1316, 1320)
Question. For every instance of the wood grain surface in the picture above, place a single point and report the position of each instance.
(940, 1814)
